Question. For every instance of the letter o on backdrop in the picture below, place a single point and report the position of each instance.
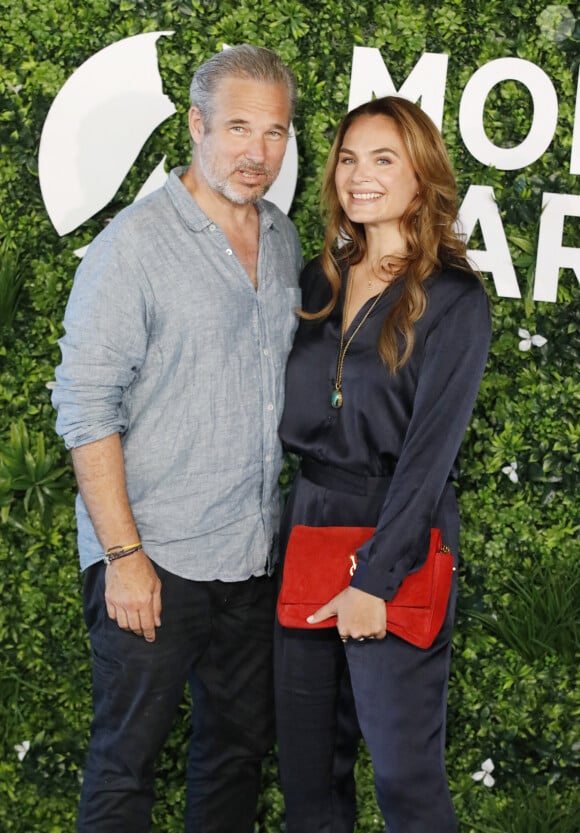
(544, 117)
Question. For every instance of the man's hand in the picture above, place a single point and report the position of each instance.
(360, 615)
(133, 594)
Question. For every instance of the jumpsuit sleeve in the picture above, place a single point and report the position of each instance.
(454, 358)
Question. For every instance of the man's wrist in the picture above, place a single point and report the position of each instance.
(114, 553)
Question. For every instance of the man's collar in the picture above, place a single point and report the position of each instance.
(192, 214)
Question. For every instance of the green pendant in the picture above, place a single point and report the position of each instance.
(336, 398)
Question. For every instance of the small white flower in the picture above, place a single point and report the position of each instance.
(527, 340)
(512, 471)
(484, 774)
(21, 749)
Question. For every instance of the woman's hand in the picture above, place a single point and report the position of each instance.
(360, 615)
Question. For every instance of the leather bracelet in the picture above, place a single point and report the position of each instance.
(114, 553)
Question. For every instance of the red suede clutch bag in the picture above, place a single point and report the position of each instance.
(320, 562)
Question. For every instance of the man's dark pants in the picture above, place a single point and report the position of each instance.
(218, 637)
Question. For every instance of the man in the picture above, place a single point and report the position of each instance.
(169, 395)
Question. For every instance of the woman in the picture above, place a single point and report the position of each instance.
(380, 386)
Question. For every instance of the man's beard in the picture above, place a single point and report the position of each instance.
(220, 182)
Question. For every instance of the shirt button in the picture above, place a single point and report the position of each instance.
(266, 351)
(212, 227)
(229, 252)
(270, 407)
(268, 458)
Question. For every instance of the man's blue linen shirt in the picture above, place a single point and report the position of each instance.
(168, 343)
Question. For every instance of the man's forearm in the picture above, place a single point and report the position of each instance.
(100, 472)
(132, 586)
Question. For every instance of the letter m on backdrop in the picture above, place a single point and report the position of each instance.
(425, 84)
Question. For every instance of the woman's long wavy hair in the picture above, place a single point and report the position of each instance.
(427, 226)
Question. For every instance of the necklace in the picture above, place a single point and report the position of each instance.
(336, 397)
(371, 280)
(371, 276)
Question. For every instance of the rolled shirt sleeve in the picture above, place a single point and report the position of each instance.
(103, 347)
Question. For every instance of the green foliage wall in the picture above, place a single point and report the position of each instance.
(513, 693)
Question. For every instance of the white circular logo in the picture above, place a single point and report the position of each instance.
(97, 125)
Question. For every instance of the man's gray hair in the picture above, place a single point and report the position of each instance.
(244, 61)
